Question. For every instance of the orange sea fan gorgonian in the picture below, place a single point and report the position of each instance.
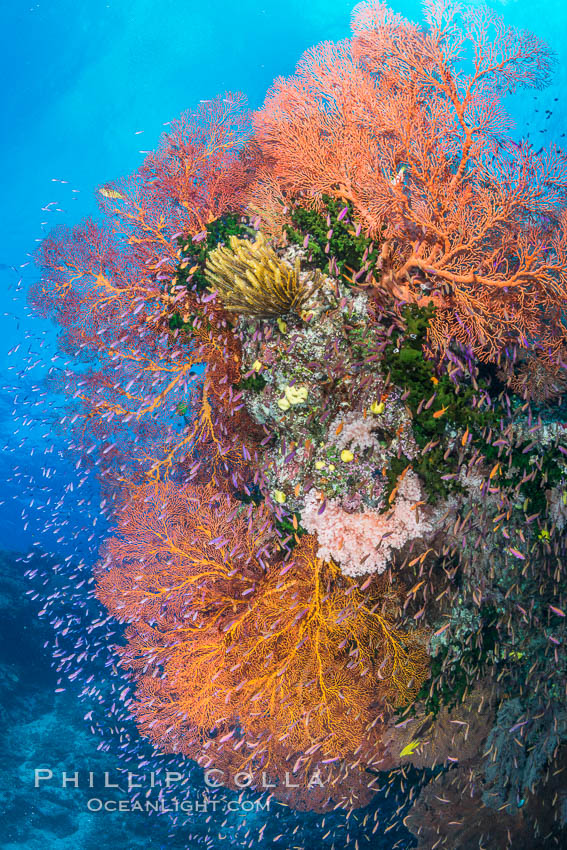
(242, 660)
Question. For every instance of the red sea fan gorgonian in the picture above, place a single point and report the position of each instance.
(407, 125)
(108, 285)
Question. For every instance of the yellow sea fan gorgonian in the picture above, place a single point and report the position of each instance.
(296, 659)
(253, 281)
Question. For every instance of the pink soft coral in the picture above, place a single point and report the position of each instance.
(364, 542)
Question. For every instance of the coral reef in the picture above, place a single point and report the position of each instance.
(324, 395)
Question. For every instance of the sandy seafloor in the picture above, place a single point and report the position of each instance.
(87, 87)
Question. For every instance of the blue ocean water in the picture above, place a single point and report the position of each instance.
(87, 88)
